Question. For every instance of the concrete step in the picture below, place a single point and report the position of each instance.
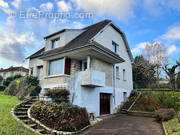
(21, 113)
(22, 109)
(26, 105)
(33, 125)
(28, 121)
(42, 131)
(22, 117)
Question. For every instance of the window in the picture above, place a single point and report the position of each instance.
(54, 43)
(56, 67)
(117, 72)
(125, 96)
(83, 65)
(124, 75)
(12, 73)
(114, 47)
(4, 75)
(39, 71)
(31, 71)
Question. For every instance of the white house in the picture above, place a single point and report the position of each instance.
(93, 63)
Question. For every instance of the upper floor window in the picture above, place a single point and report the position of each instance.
(56, 67)
(83, 65)
(117, 72)
(54, 43)
(114, 47)
(124, 75)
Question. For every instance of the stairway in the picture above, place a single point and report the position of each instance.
(21, 113)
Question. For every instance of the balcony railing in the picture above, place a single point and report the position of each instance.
(92, 78)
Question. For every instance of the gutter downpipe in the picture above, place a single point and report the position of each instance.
(114, 84)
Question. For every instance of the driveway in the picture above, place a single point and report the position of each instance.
(126, 125)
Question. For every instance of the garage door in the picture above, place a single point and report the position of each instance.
(104, 103)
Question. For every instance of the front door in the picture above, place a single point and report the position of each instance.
(104, 103)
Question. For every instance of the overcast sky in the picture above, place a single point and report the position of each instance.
(24, 23)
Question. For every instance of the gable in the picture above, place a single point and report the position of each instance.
(109, 34)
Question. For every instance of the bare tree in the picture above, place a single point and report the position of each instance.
(171, 73)
(156, 54)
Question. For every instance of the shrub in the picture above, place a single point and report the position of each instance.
(2, 88)
(27, 86)
(8, 80)
(59, 96)
(164, 114)
(60, 117)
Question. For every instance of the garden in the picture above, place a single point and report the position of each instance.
(9, 125)
(58, 114)
(163, 105)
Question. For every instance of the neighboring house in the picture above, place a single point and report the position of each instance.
(12, 71)
(93, 63)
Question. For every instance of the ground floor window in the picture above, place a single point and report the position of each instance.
(56, 67)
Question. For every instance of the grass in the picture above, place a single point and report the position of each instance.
(9, 125)
(172, 127)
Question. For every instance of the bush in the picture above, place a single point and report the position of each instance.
(164, 114)
(59, 96)
(27, 86)
(60, 117)
(2, 88)
(8, 80)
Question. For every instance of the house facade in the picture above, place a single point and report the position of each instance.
(12, 71)
(93, 63)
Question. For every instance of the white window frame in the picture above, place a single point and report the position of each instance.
(117, 72)
(51, 43)
(124, 75)
(116, 47)
(47, 72)
(82, 66)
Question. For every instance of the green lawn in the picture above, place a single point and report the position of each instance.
(172, 127)
(9, 125)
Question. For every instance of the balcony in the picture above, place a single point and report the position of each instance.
(92, 78)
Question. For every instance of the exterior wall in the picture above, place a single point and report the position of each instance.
(106, 39)
(90, 97)
(75, 66)
(61, 41)
(103, 67)
(71, 34)
(65, 37)
(34, 63)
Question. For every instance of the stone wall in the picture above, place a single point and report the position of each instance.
(103, 67)
(75, 66)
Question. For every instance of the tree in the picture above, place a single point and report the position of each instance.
(178, 80)
(143, 72)
(155, 53)
(171, 73)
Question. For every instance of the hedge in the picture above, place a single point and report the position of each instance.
(60, 117)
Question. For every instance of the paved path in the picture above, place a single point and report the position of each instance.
(126, 125)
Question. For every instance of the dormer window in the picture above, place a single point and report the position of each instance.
(54, 43)
(114, 47)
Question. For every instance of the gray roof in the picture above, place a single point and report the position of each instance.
(82, 40)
